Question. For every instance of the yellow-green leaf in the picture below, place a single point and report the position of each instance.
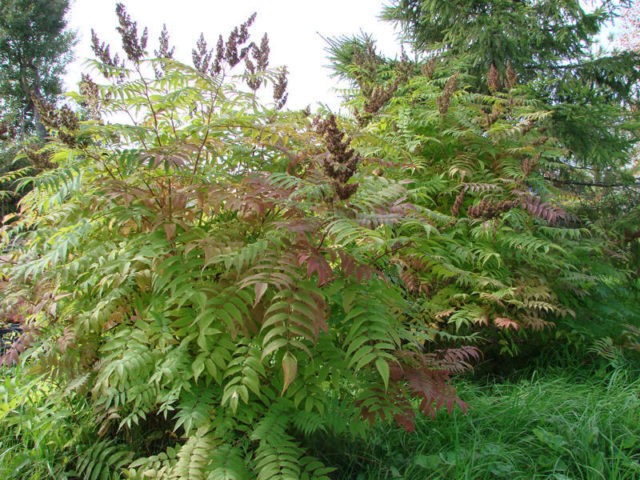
(290, 369)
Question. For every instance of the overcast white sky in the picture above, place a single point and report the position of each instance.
(295, 29)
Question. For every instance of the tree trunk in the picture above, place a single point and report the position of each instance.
(37, 92)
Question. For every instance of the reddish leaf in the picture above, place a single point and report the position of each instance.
(506, 323)
(316, 263)
(406, 420)
(351, 268)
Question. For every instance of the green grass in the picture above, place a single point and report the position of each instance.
(573, 423)
(557, 425)
(39, 428)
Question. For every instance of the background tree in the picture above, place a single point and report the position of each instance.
(35, 47)
(551, 46)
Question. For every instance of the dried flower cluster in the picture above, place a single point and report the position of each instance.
(493, 80)
(234, 52)
(342, 161)
(404, 67)
(40, 159)
(236, 49)
(444, 100)
(209, 62)
(90, 97)
(280, 94)
(63, 120)
(377, 98)
(487, 208)
(376, 95)
(529, 164)
(163, 48)
(259, 63)
(429, 68)
(134, 47)
(457, 204)
(368, 61)
(201, 56)
(101, 51)
(164, 51)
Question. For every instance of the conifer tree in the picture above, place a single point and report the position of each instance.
(551, 46)
(35, 47)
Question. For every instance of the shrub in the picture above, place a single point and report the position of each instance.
(212, 276)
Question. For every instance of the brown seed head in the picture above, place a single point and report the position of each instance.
(512, 76)
(101, 51)
(133, 46)
(216, 67)
(91, 96)
(201, 55)
(444, 100)
(341, 163)
(429, 68)
(379, 96)
(493, 80)
(262, 54)
(280, 94)
(164, 51)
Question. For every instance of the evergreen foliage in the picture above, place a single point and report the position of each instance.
(35, 47)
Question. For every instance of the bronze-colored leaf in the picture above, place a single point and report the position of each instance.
(260, 288)
(289, 369)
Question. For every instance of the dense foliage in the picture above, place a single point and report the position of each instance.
(528, 147)
(220, 270)
(215, 285)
